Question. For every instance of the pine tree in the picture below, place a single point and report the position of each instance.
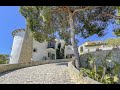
(68, 22)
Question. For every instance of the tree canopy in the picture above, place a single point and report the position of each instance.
(68, 21)
(117, 30)
(44, 21)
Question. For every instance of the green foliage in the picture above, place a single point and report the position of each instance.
(108, 79)
(90, 61)
(49, 19)
(67, 21)
(4, 58)
(84, 71)
(104, 74)
(115, 79)
(117, 32)
(118, 14)
(38, 21)
(113, 41)
(116, 67)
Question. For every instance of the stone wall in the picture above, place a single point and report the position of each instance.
(9, 67)
(100, 55)
(77, 77)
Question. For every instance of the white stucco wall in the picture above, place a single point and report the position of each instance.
(16, 47)
(69, 50)
(41, 50)
(57, 42)
(62, 43)
(79, 49)
(84, 48)
(93, 48)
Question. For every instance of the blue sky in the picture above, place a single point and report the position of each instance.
(11, 19)
(109, 34)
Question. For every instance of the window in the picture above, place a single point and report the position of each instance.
(53, 56)
(49, 54)
(59, 45)
(34, 50)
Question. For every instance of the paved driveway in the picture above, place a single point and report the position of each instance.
(55, 73)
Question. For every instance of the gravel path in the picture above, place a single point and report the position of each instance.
(55, 73)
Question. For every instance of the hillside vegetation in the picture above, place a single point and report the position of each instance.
(4, 58)
(112, 41)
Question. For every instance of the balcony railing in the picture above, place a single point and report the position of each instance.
(51, 45)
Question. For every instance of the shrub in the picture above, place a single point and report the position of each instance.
(104, 73)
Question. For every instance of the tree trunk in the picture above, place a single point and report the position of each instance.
(94, 67)
(103, 75)
(75, 48)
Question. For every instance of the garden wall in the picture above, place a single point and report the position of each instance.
(9, 67)
(100, 55)
(77, 77)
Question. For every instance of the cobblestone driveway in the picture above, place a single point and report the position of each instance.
(55, 73)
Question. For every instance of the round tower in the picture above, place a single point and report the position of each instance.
(17, 45)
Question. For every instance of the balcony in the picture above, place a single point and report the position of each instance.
(51, 45)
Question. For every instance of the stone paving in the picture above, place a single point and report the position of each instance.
(55, 73)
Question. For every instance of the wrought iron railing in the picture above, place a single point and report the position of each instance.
(51, 45)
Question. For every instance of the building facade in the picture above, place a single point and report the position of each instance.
(91, 47)
(25, 48)
(95, 46)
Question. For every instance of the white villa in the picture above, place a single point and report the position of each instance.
(93, 46)
(40, 51)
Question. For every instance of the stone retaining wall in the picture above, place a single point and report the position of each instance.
(100, 55)
(77, 78)
(9, 67)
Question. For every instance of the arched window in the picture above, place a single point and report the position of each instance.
(59, 45)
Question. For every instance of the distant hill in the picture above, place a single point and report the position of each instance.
(4, 58)
(113, 41)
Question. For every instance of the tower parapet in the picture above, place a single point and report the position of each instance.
(17, 31)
